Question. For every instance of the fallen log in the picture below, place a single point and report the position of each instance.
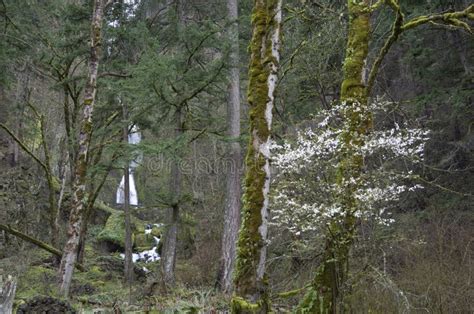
(38, 243)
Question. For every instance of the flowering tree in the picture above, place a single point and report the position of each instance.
(351, 174)
(311, 197)
(306, 196)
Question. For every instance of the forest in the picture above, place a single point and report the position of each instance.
(225, 156)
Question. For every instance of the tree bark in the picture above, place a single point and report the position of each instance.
(169, 247)
(128, 269)
(233, 188)
(249, 275)
(79, 188)
(53, 207)
(7, 294)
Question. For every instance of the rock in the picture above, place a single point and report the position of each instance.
(45, 305)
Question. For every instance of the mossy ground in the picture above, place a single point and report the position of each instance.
(102, 287)
(102, 284)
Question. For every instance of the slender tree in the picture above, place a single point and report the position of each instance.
(128, 265)
(233, 188)
(249, 274)
(171, 238)
(79, 188)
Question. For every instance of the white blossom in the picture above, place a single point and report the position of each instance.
(307, 194)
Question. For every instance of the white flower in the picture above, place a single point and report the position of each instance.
(307, 195)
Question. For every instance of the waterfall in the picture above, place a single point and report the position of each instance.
(147, 256)
(134, 137)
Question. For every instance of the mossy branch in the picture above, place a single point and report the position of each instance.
(452, 18)
(396, 31)
(50, 178)
(293, 292)
(240, 305)
(38, 243)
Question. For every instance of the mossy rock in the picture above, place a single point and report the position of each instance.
(146, 241)
(114, 230)
(113, 266)
(113, 233)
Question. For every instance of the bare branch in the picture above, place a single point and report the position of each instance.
(114, 74)
(23, 146)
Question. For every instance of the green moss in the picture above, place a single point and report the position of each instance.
(143, 241)
(37, 280)
(240, 305)
(114, 229)
(356, 52)
(250, 242)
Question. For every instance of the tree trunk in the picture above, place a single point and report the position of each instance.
(52, 182)
(233, 189)
(169, 247)
(249, 274)
(128, 269)
(7, 294)
(79, 188)
(330, 279)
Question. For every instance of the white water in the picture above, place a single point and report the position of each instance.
(147, 256)
(133, 191)
(133, 138)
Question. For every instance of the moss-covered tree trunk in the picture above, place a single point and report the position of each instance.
(249, 274)
(326, 295)
(233, 186)
(79, 188)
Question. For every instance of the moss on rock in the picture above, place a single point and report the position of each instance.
(114, 230)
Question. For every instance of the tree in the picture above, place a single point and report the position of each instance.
(249, 274)
(128, 265)
(171, 237)
(76, 217)
(233, 189)
(180, 68)
(330, 279)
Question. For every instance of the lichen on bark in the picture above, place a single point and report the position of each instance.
(79, 202)
(249, 274)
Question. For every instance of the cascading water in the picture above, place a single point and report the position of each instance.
(152, 254)
(133, 138)
(147, 256)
